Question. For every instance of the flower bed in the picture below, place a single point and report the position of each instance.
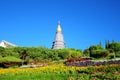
(61, 72)
(92, 62)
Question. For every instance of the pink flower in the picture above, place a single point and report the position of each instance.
(116, 72)
(94, 79)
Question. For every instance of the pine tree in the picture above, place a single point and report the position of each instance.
(107, 44)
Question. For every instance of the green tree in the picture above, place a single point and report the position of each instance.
(115, 48)
(97, 51)
(2, 51)
(74, 53)
(107, 44)
(63, 53)
(86, 52)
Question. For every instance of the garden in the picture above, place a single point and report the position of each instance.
(62, 72)
(39, 63)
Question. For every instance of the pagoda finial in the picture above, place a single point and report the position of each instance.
(59, 22)
(59, 28)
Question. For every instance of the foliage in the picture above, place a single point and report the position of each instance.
(86, 52)
(111, 56)
(118, 54)
(10, 59)
(99, 53)
(28, 54)
(114, 47)
(111, 50)
(61, 72)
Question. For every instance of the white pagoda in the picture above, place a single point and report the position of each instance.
(59, 40)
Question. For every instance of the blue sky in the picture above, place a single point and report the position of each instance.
(83, 22)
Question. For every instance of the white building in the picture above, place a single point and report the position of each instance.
(6, 44)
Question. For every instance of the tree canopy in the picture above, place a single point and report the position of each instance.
(28, 54)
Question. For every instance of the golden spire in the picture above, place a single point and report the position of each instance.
(59, 28)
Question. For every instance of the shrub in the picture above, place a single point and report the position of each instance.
(111, 56)
(99, 53)
(10, 61)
